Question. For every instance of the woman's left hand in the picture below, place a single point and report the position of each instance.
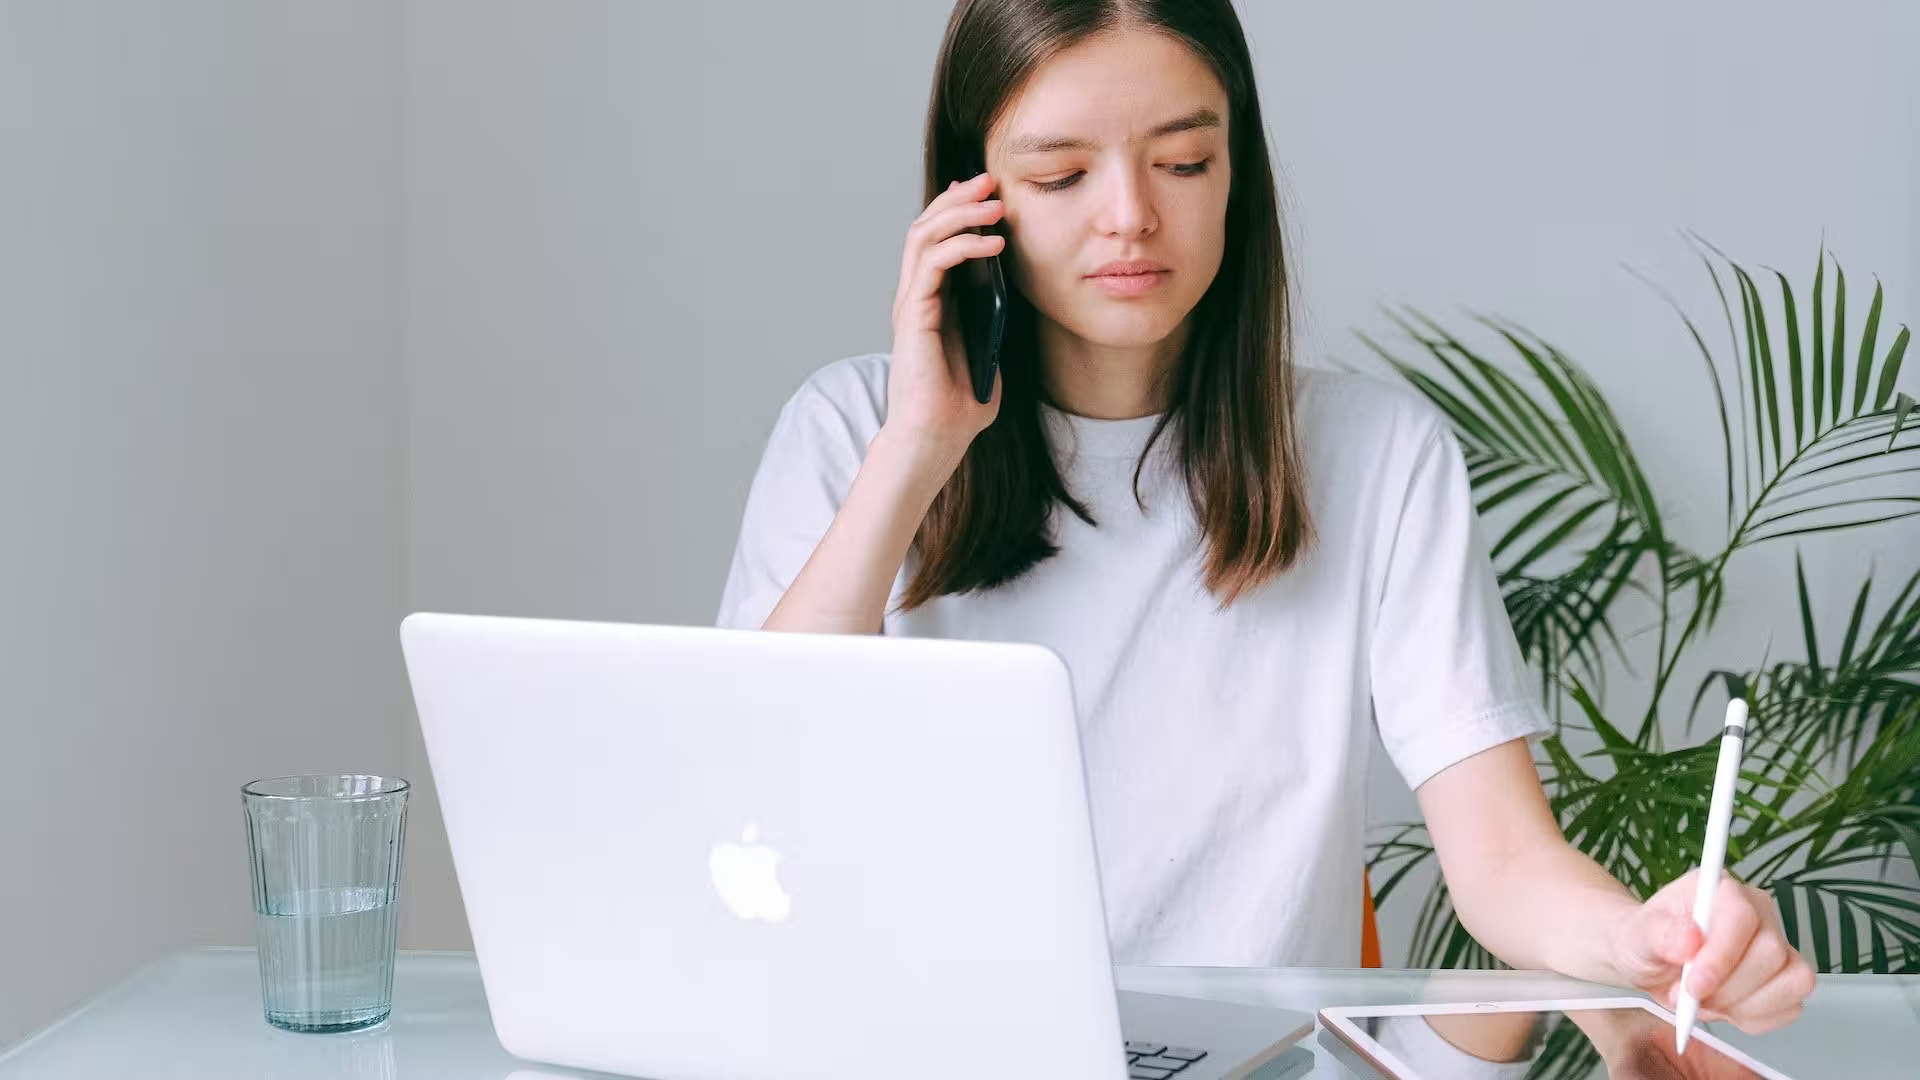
(1744, 971)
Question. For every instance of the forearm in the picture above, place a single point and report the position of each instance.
(845, 585)
(1545, 905)
(1535, 902)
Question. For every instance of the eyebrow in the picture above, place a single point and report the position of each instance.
(1044, 144)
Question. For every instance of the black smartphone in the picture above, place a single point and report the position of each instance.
(980, 303)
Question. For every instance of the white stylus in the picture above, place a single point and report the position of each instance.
(1719, 817)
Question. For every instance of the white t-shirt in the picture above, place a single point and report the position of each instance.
(1418, 1046)
(1226, 750)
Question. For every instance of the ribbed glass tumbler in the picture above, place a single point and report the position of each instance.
(325, 852)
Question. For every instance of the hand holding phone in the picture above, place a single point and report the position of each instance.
(980, 302)
(939, 400)
(983, 322)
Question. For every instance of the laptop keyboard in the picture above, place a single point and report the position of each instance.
(1152, 1061)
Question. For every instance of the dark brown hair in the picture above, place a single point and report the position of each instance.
(1232, 391)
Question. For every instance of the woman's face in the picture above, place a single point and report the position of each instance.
(1115, 152)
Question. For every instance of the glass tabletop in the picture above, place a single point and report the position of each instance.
(197, 1014)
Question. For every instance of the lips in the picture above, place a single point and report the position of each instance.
(1129, 277)
(1130, 268)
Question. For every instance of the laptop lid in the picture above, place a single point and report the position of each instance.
(691, 853)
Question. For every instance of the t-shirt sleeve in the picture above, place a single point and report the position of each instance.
(805, 473)
(1448, 678)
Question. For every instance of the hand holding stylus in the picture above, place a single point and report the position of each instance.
(1710, 940)
(1713, 855)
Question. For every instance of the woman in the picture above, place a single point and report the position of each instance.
(1242, 564)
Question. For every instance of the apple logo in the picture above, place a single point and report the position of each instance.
(746, 875)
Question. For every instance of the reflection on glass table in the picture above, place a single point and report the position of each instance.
(196, 1016)
(1611, 1041)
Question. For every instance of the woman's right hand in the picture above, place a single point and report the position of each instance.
(930, 403)
(931, 419)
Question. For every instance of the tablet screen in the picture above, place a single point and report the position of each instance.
(1589, 1044)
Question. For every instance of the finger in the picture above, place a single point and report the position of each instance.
(925, 231)
(1736, 920)
(1769, 907)
(1760, 1025)
(946, 255)
(1667, 937)
(971, 189)
(1777, 1001)
(1676, 940)
(925, 306)
(954, 219)
(1658, 941)
(923, 234)
(1767, 955)
(922, 306)
(917, 239)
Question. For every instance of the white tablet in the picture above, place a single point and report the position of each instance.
(1579, 1039)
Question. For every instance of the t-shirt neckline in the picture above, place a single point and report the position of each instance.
(1089, 437)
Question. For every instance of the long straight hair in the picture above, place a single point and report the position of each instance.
(1232, 391)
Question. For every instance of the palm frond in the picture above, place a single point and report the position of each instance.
(1828, 713)
(1804, 437)
(1850, 924)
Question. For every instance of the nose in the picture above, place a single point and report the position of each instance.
(1126, 207)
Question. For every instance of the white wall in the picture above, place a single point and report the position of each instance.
(200, 449)
(634, 228)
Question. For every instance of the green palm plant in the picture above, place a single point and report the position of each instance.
(1815, 439)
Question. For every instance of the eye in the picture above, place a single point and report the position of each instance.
(1193, 168)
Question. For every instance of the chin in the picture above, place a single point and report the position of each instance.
(1126, 329)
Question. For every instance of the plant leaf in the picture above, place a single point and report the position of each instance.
(1747, 469)
(1761, 357)
(1817, 927)
(1910, 836)
(1836, 526)
(1806, 623)
(1519, 487)
(1795, 380)
(1864, 378)
(1839, 335)
(1785, 899)
(1853, 629)
(1891, 371)
(1819, 353)
(1560, 532)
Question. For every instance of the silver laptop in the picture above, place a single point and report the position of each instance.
(695, 853)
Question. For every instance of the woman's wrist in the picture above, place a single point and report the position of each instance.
(1600, 957)
(844, 587)
(917, 464)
